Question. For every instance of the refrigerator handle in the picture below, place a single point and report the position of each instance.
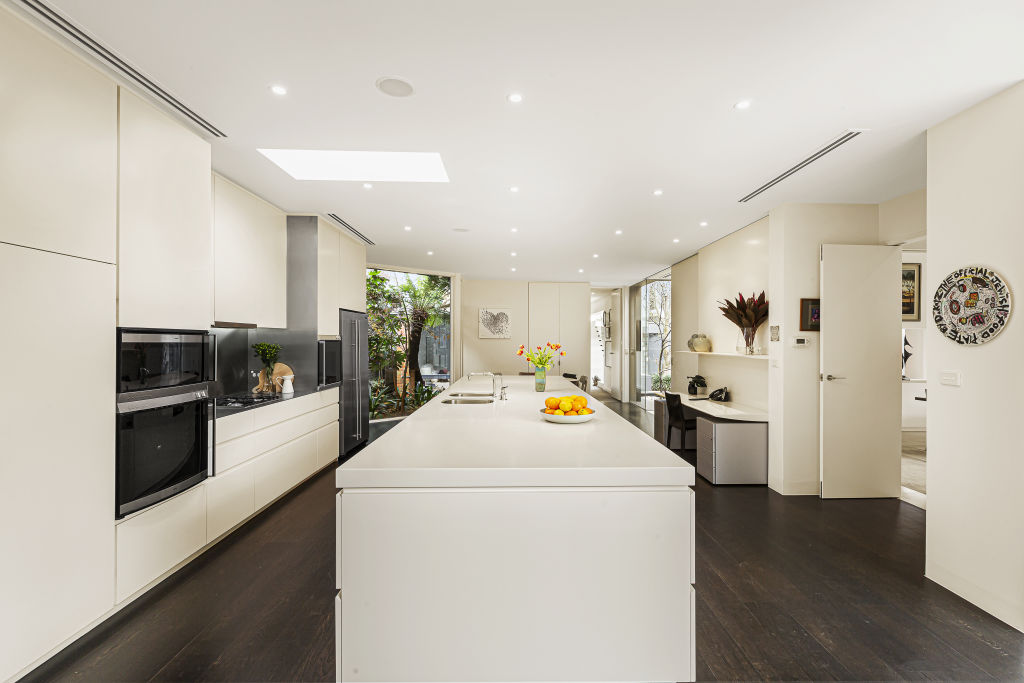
(355, 374)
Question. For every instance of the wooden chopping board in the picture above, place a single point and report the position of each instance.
(280, 370)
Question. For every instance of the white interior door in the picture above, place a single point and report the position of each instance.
(860, 396)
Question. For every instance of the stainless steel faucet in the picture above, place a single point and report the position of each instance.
(496, 381)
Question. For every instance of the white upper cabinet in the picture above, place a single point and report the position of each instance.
(341, 276)
(58, 147)
(352, 274)
(165, 264)
(328, 277)
(574, 327)
(251, 257)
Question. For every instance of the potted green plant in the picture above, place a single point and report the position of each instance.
(748, 314)
(268, 354)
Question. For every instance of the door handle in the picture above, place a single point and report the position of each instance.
(833, 377)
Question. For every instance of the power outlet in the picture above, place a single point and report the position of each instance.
(949, 378)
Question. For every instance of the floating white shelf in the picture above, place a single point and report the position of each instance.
(723, 353)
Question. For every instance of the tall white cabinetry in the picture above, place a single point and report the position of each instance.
(165, 264)
(560, 312)
(251, 257)
(341, 276)
(58, 147)
(57, 466)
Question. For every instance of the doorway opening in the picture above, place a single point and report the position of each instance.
(913, 460)
(651, 330)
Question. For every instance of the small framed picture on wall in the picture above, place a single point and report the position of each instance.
(911, 291)
(810, 315)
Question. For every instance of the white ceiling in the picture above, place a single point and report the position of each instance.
(620, 97)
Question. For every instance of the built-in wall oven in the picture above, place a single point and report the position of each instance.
(165, 417)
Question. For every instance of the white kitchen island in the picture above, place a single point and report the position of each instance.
(481, 543)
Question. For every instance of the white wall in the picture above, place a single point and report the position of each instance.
(562, 309)
(796, 233)
(736, 263)
(975, 542)
(902, 219)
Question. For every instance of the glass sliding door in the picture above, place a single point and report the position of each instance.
(651, 338)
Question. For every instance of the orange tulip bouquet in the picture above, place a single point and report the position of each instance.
(542, 358)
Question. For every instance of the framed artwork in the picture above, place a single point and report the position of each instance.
(971, 305)
(810, 315)
(495, 323)
(911, 291)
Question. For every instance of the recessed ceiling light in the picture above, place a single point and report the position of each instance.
(742, 104)
(460, 229)
(515, 98)
(703, 224)
(676, 240)
(595, 255)
(513, 189)
(430, 253)
(328, 164)
(367, 186)
(513, 270)
(393, 86)
(659, 192)
(515, 229)
(618, 232)
(408, 228)
(513, 253)
(278, 89)
(581, 270)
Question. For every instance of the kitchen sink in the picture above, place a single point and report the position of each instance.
(478, 401)
(468, 394)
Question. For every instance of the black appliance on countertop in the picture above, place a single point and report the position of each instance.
(165, 416)
(355, 381)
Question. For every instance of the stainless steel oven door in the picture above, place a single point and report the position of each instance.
(164, 444)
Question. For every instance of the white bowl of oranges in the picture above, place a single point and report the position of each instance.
(566, 410)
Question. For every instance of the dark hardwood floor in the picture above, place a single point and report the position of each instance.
(787, 588)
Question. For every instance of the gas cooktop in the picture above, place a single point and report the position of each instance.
(244, 400)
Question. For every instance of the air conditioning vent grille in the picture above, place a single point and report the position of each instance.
(343, 223)
(830, 147)
(86, 42)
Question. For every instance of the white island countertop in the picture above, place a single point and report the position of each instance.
(507, 443)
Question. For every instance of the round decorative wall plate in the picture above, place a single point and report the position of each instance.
(971, 305)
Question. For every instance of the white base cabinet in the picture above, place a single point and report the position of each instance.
(157, 539)
(230, 498)
(516, 584)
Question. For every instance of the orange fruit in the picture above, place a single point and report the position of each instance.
(578, 405)
(572, 412)
(565, 406)
(557, 412)
(581, 399)
(551, 402)
(585, 411)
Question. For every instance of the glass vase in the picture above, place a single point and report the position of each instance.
(540, 379)
(745, 341)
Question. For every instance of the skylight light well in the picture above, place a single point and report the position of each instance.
(384, 167)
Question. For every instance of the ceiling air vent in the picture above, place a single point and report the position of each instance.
(835, 144)
(84, 41)
(340, 221)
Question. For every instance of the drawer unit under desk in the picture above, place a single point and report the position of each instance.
(731, 452)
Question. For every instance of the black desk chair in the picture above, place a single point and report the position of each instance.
(682, 418)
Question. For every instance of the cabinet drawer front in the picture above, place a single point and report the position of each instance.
(229, 500)
(327, 444)
(266, 416)
(279, 470)
(233, 426)
(247, 447)
(329, 396)
(153, 541)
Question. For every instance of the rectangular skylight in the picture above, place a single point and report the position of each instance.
(393, 167)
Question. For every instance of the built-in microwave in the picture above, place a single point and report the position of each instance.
(165, 417)
(328, 363)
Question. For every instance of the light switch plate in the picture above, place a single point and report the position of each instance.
(949, 378)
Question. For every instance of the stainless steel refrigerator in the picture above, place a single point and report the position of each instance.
(355, 381)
